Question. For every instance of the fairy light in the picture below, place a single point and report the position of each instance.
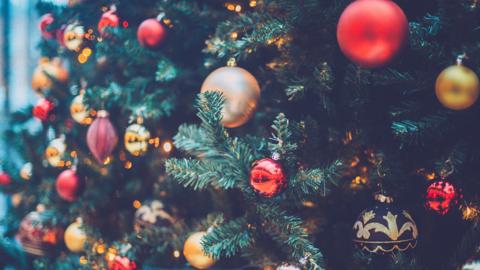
(137, 204)
(469, 212)
(111, 254)
(176, 254)
(125, 24)
(107, 161)
(83, 260)
(128, 165)
(100, 248)
(167, 147)
(252, 3)
(234, 35)
(155, 142)
(238, 8)
(73, 154)
(308, 204)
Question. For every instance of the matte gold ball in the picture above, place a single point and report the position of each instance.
(75, 237)
(241, 92)
(136, 139)
(47, 69)
(457, 87)
(193, 252)
(79, 111)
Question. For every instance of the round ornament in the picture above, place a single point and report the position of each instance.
(68, 185)
(75, 237)
(240, 90)
(150, 214)
(194, 253)
(267, 177)
(101, 137)
(5, 179)
(441, 195)
(44, 25)
(26, 171)
(136, 139)
(80, 111)
(42, 109)
(55, 152)
(457, 87)
(121, 263)
(73, 36)
(385, 228)
(108, 19)
(151, 33)
(372, 32)
(46, 71)
(37, 235)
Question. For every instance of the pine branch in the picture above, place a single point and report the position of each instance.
(282, 143)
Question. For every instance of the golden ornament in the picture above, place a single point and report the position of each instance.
(193, 252)
(45, 71)
(79, 111)
(240, 90)
(457, 87)
(73, 36)
(55, 152)
(75, 237)
(136, 139)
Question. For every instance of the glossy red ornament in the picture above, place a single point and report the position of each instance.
(151, 33)
(101, 137)
(5, 179)
(267, 177)
(45, 21)
(109, 19)
(42, 109)
(441, 195)
(372, 32)
(68, 185)
(121, 263)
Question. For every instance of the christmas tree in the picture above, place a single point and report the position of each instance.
(268, 134)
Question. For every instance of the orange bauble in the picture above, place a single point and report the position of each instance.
(194, 253)
(45, 71)
(371, 32)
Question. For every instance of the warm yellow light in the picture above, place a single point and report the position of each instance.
(73, 154)
(253, 3)
(234, 35)
(87, 52)
(176, 254)
(167, 147)
(83, 260)
(100, 248)
(238, 8)
(137, 204)
(230, 7)
(82, 58)
(107, 161)
(128, 165)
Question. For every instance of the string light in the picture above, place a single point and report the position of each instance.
(137, 204)
(469, 212)
(167, 147)
(73, 154)
(111, 254)
(176, 254)
(107, 161)
(128, 165)
(100, 248)
(234, 35)
(252, 3)
(83, 260)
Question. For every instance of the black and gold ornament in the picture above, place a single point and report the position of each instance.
(385, 228)
(152, 213)
(136, 139)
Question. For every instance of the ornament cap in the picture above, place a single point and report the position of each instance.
(102, 113)
(232, 62)
(380, 197)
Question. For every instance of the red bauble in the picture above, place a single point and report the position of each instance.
(67, 185)
(108, 18)
(101, 137)
(151, 33)
(5, 179)
(267, 177)
(372, 32)
(441, 195)
(42, 109)
(121, 263)
(45, 21)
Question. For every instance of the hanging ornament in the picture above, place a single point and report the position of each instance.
(73, 36)
(372, 32)
(68, 185)
(121, 263)
(441, 195)
(385, 228)
(150, 214)
(37, 235)
(136, 139)
(79, 110)
(75, 236)
(194, 253)
(240, 90)
(26, 171)
(5, 179)
(267, 177)
(44, 25)
(101, 137)
(457, 87)
(151, 33)
(45, 71)
(43, 109)
(109, 19)
(55, 152)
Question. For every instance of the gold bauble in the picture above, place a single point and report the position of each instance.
(79, 111)
(73, 36)
(241, 92)
(45, 71)
(193, 252)
(136, 139)
(457, 87)
(55, 152)
(75, 237)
